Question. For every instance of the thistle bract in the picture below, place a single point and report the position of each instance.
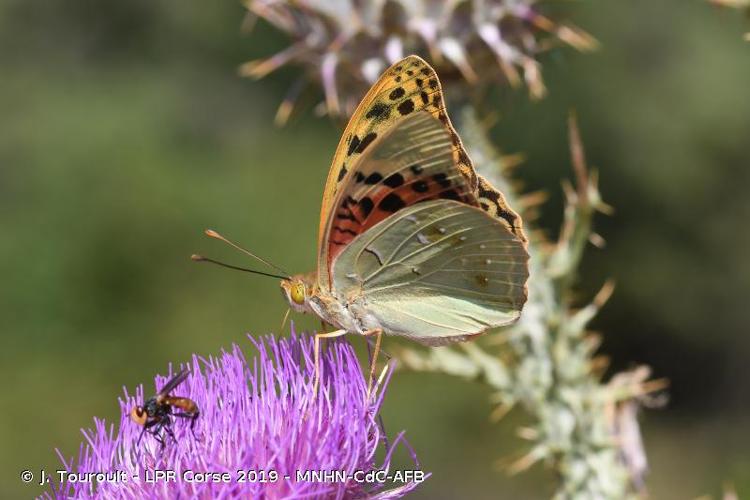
(262, 433)
(344, 44)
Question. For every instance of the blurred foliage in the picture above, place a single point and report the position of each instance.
(125, 131)
(743, 5)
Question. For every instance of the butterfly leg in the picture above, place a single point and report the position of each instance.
(378, 332)
(318, 336)
(286, 316)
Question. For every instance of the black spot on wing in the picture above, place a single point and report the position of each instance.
(425, 72)
(391, 203)
(442, 179)
(359, 177)
(396, 93)
(509, 217)
(416, 168)
(352, 145)
(342, 173)
(348, 201)
(366, 140)
(501, 212)
(437, 101)
(373, 178)
(378, 110)
(425, 98)
(394, 180)
(420, 187)
(406, 107)
(433, 83)
(366, 205)
(346, 216)
(451, 194)
(419, 82)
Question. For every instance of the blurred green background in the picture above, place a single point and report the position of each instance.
(125, 131)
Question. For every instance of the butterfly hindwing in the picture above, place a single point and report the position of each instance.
(436, 272)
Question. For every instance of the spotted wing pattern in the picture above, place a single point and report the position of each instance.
(435, 272)
(409, 87)
(410, 163)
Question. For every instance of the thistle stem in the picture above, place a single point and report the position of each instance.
(578, 419)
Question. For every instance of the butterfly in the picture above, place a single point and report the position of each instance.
(412, 241)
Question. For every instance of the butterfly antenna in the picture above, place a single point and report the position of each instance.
(214, 234)
(200, 258)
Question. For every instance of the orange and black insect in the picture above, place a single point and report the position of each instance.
(156, 413)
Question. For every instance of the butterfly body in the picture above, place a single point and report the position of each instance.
(412, 242)
(304, 295)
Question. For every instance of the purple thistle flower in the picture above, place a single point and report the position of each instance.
(262, 419)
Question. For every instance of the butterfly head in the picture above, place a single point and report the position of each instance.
(297, 290)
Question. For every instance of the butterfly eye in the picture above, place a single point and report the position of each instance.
(298, 293)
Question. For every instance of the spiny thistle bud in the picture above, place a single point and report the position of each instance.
(345, 44)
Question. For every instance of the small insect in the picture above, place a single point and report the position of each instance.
(412, 241)
(156, 413)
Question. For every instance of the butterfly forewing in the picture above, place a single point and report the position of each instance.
(410, 87)
(409, 164)
(436, 272)
(407, 87)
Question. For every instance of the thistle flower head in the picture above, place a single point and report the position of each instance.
(345, 44)
(261, 418)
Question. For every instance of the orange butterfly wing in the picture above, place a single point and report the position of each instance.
(408, 90)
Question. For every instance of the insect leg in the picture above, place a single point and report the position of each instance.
(286, 316)
(379, 336)
(168, 427)
(140, 436)
(318, 336)
(147, 427)
(157, 435)
(193, 417)
(372, 366)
